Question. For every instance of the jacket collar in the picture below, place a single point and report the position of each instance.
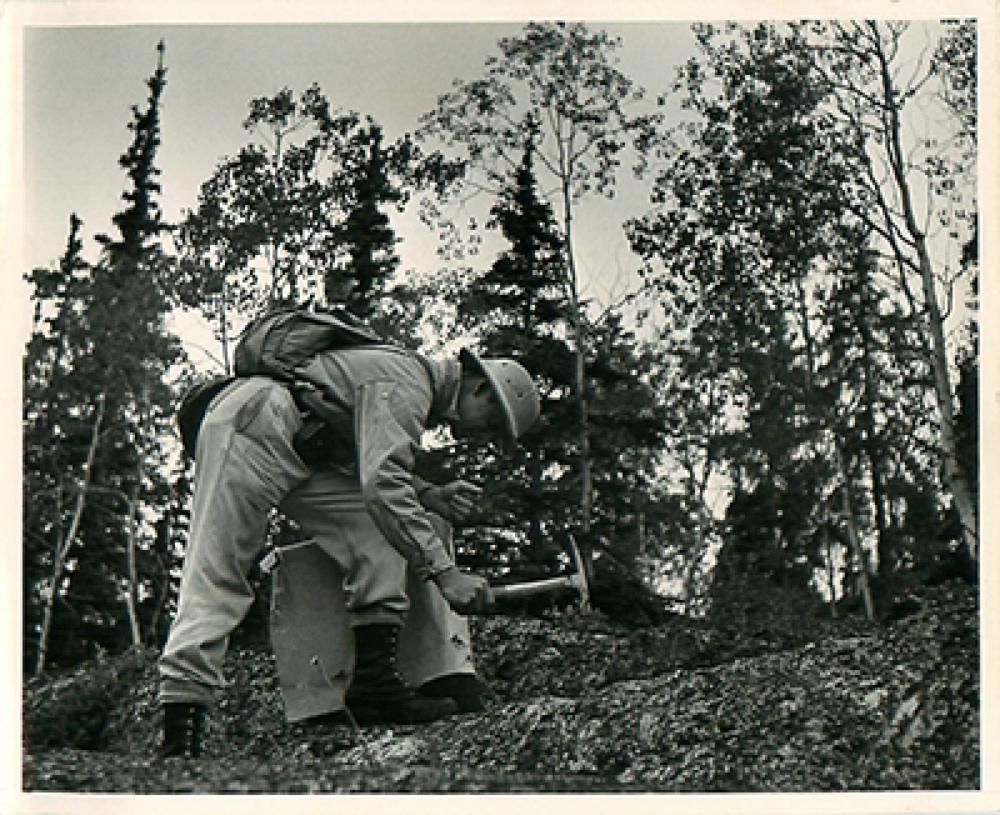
(446, 379)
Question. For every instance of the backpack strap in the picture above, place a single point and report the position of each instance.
(193, 407)
(327, 434)
(325, 406)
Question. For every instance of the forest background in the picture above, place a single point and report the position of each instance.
(763, 399)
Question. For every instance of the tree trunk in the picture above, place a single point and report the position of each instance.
(161, 551)
(63, 546)
(831, 580)
(954, 476)
(871, 441)
(853, 535)
(586, 477)
(133, 576)
(691, 572)
(153, 629)
(132, 529)
(580, 343)
(537, 486)
(224, 323)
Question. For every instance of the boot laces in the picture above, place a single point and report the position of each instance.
(393, 646)
(193, 730)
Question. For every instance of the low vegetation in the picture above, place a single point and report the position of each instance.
(581, 704)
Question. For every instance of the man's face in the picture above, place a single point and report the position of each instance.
(478, 409)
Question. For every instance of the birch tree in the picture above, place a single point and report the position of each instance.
(299, 214)
(259, 234)
(916, 191)
(561, 81)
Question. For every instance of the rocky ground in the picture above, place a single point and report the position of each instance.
(582, 705)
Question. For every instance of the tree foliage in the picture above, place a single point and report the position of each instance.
(298, 215)
(97, 404)
(799, 427)
(915, 195)
(760, 241)
(559, 81)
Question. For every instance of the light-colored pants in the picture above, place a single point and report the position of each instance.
(246, 466)
(312, 639)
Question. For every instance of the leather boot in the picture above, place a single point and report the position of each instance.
(378, 694)
(183, 730)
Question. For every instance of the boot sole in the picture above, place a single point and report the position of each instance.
(366, 713)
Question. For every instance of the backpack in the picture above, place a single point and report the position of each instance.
(193, 406)
(275, 345)
(280, 341)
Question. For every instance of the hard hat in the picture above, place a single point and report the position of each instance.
(514, 389)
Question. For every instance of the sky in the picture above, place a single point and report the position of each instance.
(82, 67)
(80, 82)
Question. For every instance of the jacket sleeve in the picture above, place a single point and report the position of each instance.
(388, 424)
(421, 486)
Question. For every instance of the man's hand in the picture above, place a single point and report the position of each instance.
(465, 593)
(454, 502)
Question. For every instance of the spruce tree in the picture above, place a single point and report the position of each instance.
(53, 435)
(364, 236)
(372, 178)
(110, 423)
(517, 309)
(563, 80)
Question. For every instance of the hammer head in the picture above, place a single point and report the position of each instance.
(577, 580)
(579, 575)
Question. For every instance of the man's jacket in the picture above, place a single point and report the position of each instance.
(394, 396)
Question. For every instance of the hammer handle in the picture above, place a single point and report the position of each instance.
(530, 589)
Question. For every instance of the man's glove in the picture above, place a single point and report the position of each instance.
(465, 593)
(454, 502)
